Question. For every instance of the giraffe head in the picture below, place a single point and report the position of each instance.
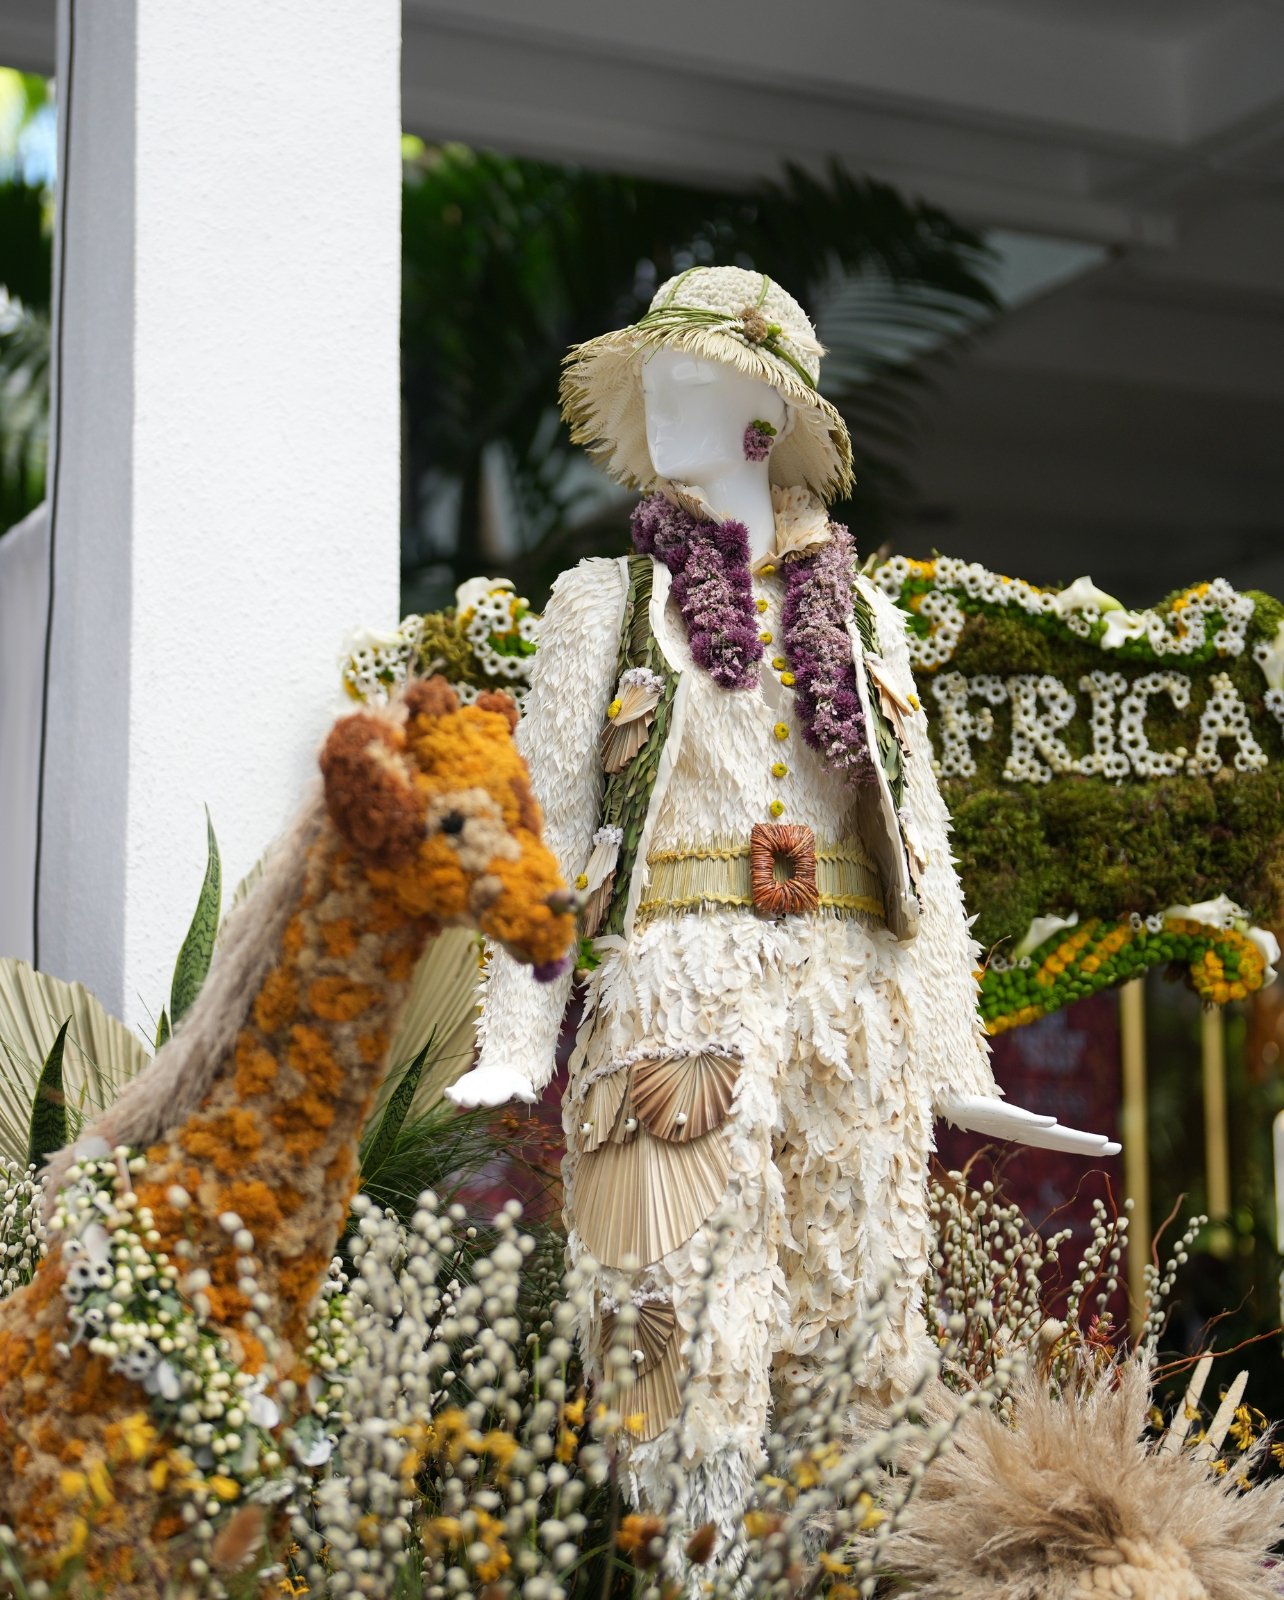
(436, 800)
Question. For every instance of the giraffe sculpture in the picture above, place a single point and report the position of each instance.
(248, 1122)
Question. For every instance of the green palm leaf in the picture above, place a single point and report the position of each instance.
(198, 947)
(49, 1111)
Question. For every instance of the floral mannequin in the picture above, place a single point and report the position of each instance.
(725, 738)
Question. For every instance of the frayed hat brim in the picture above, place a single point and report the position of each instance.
(602, 401)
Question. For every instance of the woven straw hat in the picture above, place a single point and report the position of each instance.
(720, 314)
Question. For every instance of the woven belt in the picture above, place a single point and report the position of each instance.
(847, 883)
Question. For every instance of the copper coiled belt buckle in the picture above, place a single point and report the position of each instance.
(782, 869)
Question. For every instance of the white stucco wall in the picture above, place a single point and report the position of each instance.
(230, 422)
(24, 589)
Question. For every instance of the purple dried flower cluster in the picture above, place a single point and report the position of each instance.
(818, 602)
(711, 583)
(757, 443)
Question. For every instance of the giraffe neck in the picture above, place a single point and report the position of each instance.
(275, 1139)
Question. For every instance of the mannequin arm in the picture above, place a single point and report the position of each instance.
(978, 1113)
(571, 687)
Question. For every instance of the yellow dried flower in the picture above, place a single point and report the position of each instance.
(776, 808)
(613, 710)
(760, 603)
(787, 678)
(779, 769)
(781, 730)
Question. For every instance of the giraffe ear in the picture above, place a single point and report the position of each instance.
(497, 700)
(430, 697)
(368, 791)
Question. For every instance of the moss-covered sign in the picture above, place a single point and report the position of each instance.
(1116, 778)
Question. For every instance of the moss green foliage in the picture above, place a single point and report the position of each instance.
(628, 792)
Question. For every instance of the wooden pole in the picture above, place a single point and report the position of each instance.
(1132, 1027)
(1216, 1131)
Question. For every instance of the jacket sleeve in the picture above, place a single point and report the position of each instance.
(572, 682)
(944, 954)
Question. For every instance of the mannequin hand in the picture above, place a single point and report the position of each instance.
(491, 1086)
(977, 1113)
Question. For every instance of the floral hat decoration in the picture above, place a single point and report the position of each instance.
(722, 314)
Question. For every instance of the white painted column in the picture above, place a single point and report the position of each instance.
(227, 490)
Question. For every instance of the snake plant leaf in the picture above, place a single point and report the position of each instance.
(49, 1111)
(198, 947)
(379, 1144)
(163, 1029)
(100, 1054)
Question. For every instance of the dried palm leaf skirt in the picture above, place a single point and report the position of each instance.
(761, 1072)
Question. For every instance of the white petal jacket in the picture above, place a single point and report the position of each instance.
(572, 684)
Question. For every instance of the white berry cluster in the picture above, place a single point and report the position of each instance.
(374, 665)
(1042, 707)
(1144, 760)
(1226, 717)
(1104, 690)
(330, 1352)
(955, 726)
(22, 1233)
(641, 678)
(148, 1319)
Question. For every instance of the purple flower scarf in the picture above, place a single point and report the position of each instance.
(711, 583)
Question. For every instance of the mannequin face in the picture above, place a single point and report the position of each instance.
(697, 412)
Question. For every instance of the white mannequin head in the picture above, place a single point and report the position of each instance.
(696, 415)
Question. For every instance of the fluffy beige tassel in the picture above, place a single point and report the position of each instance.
(1073, 1503)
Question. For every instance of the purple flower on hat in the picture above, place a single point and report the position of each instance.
(758, 440)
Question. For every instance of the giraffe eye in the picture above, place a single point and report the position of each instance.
(453, 822)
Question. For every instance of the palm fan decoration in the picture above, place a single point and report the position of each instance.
(100, 1055)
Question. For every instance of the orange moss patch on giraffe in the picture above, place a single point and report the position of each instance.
(277, 1002)
(339, 937)
(373, 1047)
(337, 998)
(226, 1141)
(400, 962)
(256, 1068)
(257, 1206)
(310, 1055)
(340, 1171)
(14, 1349)
(295, 936)
(166, 1526)
(253, 1354)
(298, 1281)
(304, 1124)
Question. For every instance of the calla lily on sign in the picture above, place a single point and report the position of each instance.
(1082, 594)
(1269, 946)
(1219, 913)
(1042, 929)
(1270, 657)
(1121, 627)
